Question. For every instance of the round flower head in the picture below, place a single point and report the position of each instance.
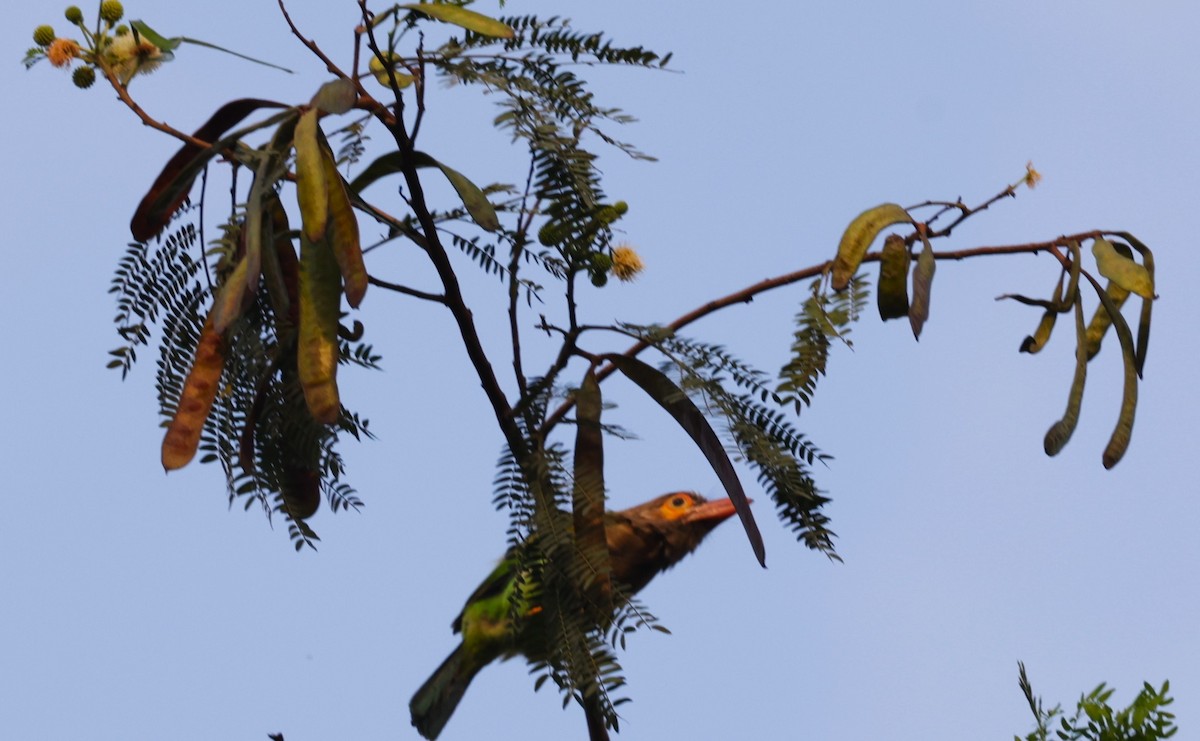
(84, 77)
(74, 14)
(43, 35)
(111, 10)
(62, 51)
(625, 263)
(1032, 176)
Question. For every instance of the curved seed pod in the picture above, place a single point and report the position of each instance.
(474, 199)
(468, 19)
(231, 298)
(1143, 338)
(859, 236)
(685, 412)
(1101, 321)
(1036, 341)
(1060, 432)
(195, 401)
(343, 231)
(336, 96)
(317, 349)
(301, 492)
(922, 282)
(1119, 441)
(174, 182)
(588, 491)
(280, 267)
(892, 294)
(1121, 269)
(310, 177)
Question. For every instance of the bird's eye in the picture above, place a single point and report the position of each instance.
(678, 501)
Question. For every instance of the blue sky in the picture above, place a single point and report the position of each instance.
(138, 606)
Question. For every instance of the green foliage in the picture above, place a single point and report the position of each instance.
(1145, 719)
(822, 319)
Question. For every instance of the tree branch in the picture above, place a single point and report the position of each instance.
(747, 294)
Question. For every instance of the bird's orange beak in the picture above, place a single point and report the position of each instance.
(715, 511)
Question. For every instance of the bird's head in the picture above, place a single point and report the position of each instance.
(653, 536)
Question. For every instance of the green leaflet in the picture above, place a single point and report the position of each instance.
(922, 282)
(676, 403)
(336, 96)
(317, 350)
(468, 19)
(858, 236)
(474, 200)
(1122, 270)
(1060, 432)
(892, 294)
(588, 491)
(170, 189)
(310, 177)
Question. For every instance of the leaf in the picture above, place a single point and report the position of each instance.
(468, 19)
(336, 96)
(472, 196)
(671, 398)
(317, 350)
(170, 45)
(1122, 270)
(1060, 432)
(588, 491)
(170, 189)
(149, 34)
(922, 282)
(310, 177)
(343, 230)
(859, 236)
(195, 400)
(892, 295)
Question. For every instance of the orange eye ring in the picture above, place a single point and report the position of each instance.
(677, 506)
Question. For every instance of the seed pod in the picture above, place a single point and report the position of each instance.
(858, 237)
(317, 350)
(195, 401)
(310, 177)
(892, 295)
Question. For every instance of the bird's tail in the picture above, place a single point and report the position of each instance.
(435, 701)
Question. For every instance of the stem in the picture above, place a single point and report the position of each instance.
(747, 294)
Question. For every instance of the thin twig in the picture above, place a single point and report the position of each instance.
(746, 295)
(434, 297)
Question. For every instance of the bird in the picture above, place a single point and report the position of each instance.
(643, 541)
